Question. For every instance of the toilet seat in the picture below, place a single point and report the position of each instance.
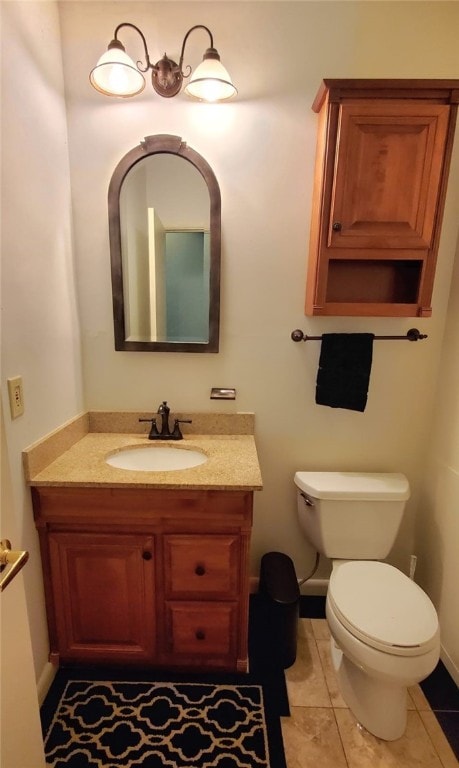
(381, 606)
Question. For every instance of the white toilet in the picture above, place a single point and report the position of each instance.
(385, 633)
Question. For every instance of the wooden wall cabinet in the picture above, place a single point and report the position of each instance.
(382, 162)
(146, 577)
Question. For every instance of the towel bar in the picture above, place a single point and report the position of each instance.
(412, 335)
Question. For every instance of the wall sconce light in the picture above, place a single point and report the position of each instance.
(115, 74)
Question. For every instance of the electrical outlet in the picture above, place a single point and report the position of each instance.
(16, 396)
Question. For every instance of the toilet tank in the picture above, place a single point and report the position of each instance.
(351, 515)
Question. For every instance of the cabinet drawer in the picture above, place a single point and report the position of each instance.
(202, 629)
(201, 566)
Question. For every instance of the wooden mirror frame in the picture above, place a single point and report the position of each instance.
(173, 145)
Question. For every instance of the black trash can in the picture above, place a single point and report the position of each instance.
(280, 596)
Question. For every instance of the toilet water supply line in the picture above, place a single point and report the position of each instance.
(316, 565)
(413, 561)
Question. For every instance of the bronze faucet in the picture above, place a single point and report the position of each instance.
(165, 433)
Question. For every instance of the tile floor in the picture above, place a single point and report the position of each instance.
(321, 732)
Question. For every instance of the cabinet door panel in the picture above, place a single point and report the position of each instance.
(104, 595)
(388, 167)
(202, 629)
(201, 566)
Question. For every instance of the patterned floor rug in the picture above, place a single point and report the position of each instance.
(107, 723)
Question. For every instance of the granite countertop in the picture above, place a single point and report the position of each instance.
(232, 463)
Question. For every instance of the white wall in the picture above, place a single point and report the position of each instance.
(40, 336)
(437, 521)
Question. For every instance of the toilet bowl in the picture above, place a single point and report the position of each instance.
(385, 638)
(384, 628)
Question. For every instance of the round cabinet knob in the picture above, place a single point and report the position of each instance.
(336, 226)
(200, 570)
(200, 634)
(146, 555)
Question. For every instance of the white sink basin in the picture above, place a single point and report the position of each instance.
(156, 458)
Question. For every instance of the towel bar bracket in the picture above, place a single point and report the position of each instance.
(412, 335)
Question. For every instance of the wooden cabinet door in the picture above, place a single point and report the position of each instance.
(103, 590)
(388, 165)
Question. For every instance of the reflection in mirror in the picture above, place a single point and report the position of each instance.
(164, 207)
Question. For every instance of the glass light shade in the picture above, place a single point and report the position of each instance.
(210, 81)
(115, 74)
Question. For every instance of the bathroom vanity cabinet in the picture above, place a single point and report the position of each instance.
(146, 576)
(383, 155)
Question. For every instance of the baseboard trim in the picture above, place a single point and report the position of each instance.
(45, 680)
(449, 664)
(310, 587)
(314, 587)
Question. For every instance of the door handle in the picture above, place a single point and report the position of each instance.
(16, 559)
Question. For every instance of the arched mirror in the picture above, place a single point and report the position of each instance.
(164, 221)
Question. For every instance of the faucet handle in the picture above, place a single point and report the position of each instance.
(177, 433)
(154, 428)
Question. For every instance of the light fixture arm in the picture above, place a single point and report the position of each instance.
(182, 54)
(116, 74)
(149, 65)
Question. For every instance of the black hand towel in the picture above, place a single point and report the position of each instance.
(344, 370)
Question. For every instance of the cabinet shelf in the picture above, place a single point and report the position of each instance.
(370, 281)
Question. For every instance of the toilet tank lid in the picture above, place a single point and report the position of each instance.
(354, 485)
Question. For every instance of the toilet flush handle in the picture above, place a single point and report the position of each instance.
(307, 500)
